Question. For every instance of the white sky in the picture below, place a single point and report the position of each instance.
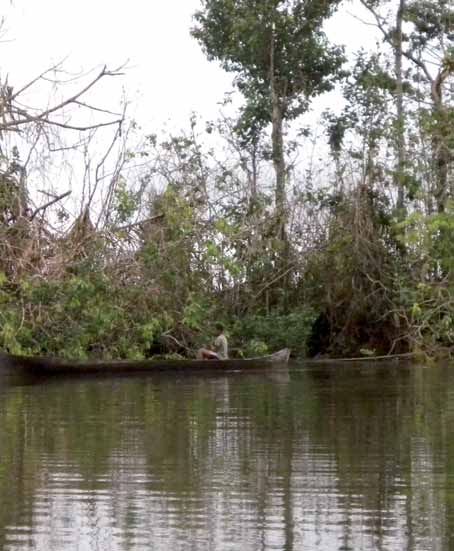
(169, 77)
(168, 74)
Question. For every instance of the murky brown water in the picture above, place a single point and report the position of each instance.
(313, 458)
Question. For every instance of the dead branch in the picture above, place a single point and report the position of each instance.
(50, 203)
(35, 80)
(273, 281)
(19, 117)
(388, 36)
(167, 335)
(138, 224)
(79, 128)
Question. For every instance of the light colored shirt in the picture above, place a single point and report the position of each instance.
(222, 347)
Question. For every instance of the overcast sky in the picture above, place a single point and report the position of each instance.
(168, 75)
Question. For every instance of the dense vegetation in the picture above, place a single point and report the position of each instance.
(348, 252)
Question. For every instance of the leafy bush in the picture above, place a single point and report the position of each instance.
(265, 334)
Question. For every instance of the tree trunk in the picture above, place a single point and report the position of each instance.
(277, 142)
(441, 172)
(441, 152)
(400, 138)
(280, 170)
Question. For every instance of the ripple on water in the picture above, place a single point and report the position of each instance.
(330, 460)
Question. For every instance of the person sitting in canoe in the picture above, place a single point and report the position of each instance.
(220, 345)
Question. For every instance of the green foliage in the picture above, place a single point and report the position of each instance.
(78, 317)
(425, 301)
(351, 279)
(194, 314)
(332, 261)
(126, 202)
(239, 33)
(429, 240)
(264, 334)
(430, 19)
(427, 311)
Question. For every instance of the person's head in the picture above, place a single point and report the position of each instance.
(219, 327)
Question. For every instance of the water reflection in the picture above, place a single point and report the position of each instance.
(320, 457)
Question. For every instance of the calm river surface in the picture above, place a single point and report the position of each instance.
(326, 457)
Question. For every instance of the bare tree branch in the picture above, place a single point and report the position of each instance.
(50, 203)
(7, 97)
(387, 34)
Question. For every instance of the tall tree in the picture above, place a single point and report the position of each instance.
(399, 93)
(281, 58)
(427, 44)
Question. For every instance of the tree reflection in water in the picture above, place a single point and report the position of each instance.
(320, 457)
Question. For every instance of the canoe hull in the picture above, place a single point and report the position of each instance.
(37, 365)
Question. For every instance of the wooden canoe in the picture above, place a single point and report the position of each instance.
(43, 365)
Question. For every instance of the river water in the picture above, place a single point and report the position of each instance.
(316, 457)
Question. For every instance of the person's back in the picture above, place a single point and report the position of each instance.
(222, 347)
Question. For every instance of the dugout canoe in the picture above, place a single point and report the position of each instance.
(44, 365)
